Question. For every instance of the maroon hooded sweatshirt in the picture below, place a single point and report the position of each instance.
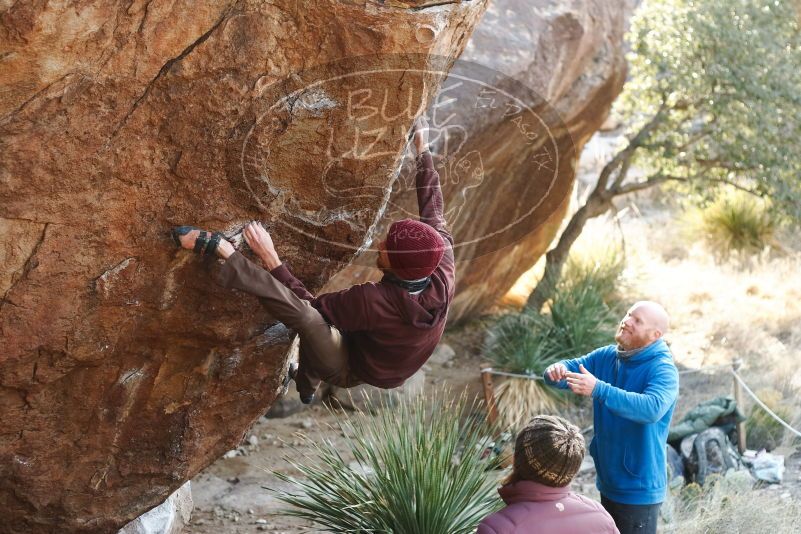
(533, 508)
(389, 332)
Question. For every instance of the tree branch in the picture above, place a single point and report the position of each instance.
(639, 186)
(621, 174)
(721, 164)
(694, 139)
(634, 143)
(723, 181)
(659, 178)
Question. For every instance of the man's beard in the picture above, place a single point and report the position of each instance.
(619, 338)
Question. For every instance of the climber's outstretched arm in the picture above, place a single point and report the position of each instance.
(429, 194)
(348, 309)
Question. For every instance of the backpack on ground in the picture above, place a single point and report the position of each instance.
(675, 465)
(708, 453)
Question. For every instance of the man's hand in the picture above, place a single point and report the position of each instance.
(421, 135)
(556, 372)
(259, 240)
(582, 383)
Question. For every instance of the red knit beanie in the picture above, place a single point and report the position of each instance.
(414, 249)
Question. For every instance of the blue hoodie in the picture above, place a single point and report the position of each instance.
(633, 402)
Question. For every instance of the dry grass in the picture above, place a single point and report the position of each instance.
(721, 310)
(520, 399)
(731, 506)
(734, 225)
(762, 430)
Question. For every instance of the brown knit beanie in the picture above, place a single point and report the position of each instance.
(548, 450)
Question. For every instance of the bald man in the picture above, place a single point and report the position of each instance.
(634, 385)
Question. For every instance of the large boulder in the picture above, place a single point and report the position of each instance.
(564, 60)
(170, 517)
(123, 369)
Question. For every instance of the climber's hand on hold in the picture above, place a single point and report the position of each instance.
(420, 135)
(259, 240)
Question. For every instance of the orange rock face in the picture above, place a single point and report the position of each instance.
(123, 369)
(562, 63)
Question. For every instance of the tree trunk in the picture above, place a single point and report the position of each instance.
(598, 203)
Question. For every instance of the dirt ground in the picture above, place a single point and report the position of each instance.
(719, 312)
(234, 496)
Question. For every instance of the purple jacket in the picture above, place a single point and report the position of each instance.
(389, 333)
(533, 508)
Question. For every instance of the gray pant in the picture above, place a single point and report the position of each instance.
(323, 351)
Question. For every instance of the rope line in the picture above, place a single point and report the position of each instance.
(762, 404)
(686, 371)
(707, 368)
(514, 375)
(537, 377)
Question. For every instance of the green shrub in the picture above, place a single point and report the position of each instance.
(523, 343)
(586, 303)
(762, 430)
(417, 469)
(582, 317)
(599, 268)
(735, 223)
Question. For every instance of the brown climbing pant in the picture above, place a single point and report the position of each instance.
(323, 352)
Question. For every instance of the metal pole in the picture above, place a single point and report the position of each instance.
(738, 398)
(489, 395)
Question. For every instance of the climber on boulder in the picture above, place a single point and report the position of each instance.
(375, 333)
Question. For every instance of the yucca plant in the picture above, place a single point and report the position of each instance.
(524, 343)
(585, 306)
(582, 320)
(599, 267)
(582, 317)
(735, 223)
(418, 468)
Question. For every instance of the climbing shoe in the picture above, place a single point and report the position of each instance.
(290, 375)
(205, 243)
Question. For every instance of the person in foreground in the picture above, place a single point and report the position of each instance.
(376, 333)
(634, 386)
(548, 454)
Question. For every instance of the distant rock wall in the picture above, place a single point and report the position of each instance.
(123, 369)
(565, 60)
